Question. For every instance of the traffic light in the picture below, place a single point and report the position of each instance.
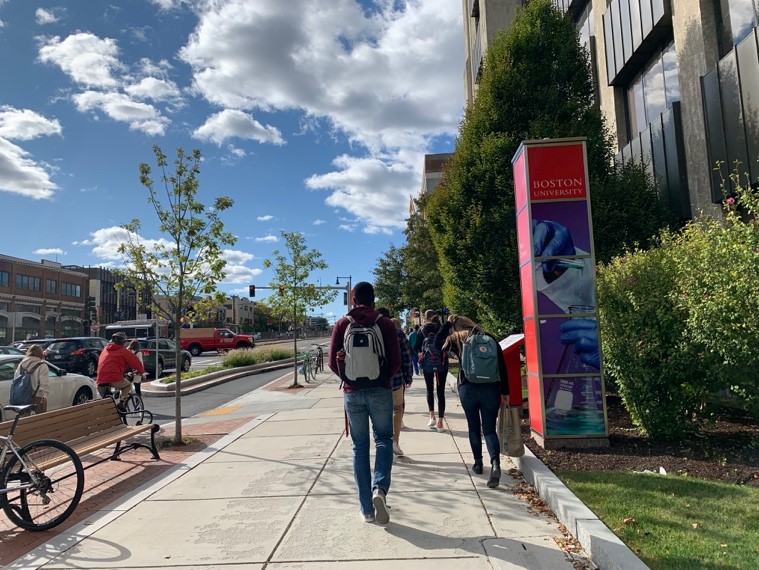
(91, 308)
(281, 289)
(251, 290)
(345, 298)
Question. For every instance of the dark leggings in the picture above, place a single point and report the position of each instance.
(429, 380)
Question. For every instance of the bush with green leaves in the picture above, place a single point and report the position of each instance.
(646, 347)
(678, 322)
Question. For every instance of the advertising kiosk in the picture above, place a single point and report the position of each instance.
(566, 396)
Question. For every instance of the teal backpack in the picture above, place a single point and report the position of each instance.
(479, 358)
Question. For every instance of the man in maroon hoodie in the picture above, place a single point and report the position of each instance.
(114, 361)
(369, 399)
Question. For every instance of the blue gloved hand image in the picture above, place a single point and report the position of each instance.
(583, 333)
(551, 238)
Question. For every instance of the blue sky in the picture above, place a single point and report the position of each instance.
(313, 115)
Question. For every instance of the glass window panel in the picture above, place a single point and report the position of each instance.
(611, 70)
(653, 90)
(715, 131)
(657, 10)
(635, 23)
(619, 56)
(748, 63)
(636, 108)
(660, 157)
(671, 77)
(732, 115)
(743, 18)
(624, 16)
(677, 185)
(645, 18)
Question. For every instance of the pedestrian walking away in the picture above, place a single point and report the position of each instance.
(434, 365)
(412, 342)
(367, 395)
(401, 381)
(481, 395)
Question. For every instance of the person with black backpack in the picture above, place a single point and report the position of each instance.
(483, 383)
(364, 352)
(434, 365)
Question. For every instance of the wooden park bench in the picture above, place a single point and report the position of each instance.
(85, 428)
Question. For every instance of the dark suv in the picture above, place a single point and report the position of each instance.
(76, 354)
(156, 362)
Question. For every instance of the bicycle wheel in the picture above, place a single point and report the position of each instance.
(312, 369)
(136, 411)
(44, 489)
(319, 360)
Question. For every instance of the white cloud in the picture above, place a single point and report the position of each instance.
(266, 218)
(231, 123)
(25, 124)
(49, 251)
(319, 222)
(236, 256)
(236, 152)
(368, 188)
(140, 116)
(86, 58)
(267, 239)
(20, 174)
(155, 89)
(382, 78)
(240, 274)
(43, 16)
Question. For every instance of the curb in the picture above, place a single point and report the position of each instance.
(605, 549)
(200, 383)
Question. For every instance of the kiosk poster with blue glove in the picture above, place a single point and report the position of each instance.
(557, 272)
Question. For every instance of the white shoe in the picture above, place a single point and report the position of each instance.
(381, 513)
(367, 518)
(397, 448)
(432, 422)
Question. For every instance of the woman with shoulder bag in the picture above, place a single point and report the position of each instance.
(481, 401)
(34, 364)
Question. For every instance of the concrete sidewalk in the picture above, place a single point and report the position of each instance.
(278, 493)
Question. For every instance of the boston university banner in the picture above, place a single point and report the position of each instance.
(557, 272)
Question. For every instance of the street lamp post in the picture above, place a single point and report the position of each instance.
(350, 288)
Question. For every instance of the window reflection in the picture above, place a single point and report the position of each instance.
(653, 90)
(743, 18)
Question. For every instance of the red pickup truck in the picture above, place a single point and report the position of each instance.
(203, 339)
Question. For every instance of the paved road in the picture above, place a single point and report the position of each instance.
(192, 404)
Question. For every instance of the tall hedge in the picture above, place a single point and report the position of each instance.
(535, 83)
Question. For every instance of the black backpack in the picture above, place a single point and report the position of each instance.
(433, 359)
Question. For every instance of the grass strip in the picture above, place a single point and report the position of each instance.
(674, 522)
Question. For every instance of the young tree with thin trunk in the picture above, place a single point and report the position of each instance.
(185, 264)
(294, 295)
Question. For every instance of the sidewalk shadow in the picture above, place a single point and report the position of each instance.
(507, 550)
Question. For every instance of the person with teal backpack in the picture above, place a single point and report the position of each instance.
(482, 384)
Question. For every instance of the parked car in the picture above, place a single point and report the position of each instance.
(76, 354)
(11, 350)
(23, 345)
(65, 389)
(165, 358)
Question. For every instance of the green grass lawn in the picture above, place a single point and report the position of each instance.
(672, 522)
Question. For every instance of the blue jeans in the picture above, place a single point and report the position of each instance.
(377, 404)
(481, 403)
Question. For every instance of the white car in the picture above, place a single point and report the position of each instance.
(66, 389)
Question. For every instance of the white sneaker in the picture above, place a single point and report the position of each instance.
(432, 422)
(382, 515)
(367, 518)
(397, 448)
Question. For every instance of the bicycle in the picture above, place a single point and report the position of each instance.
(318, 358)
(307, 368)
(37, 491)
(133, 412)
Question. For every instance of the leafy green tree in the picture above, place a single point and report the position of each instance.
(295, 295)
(408, 277)
(187, 263)
(535, 83)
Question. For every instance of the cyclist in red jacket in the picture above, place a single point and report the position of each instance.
(114, 361)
